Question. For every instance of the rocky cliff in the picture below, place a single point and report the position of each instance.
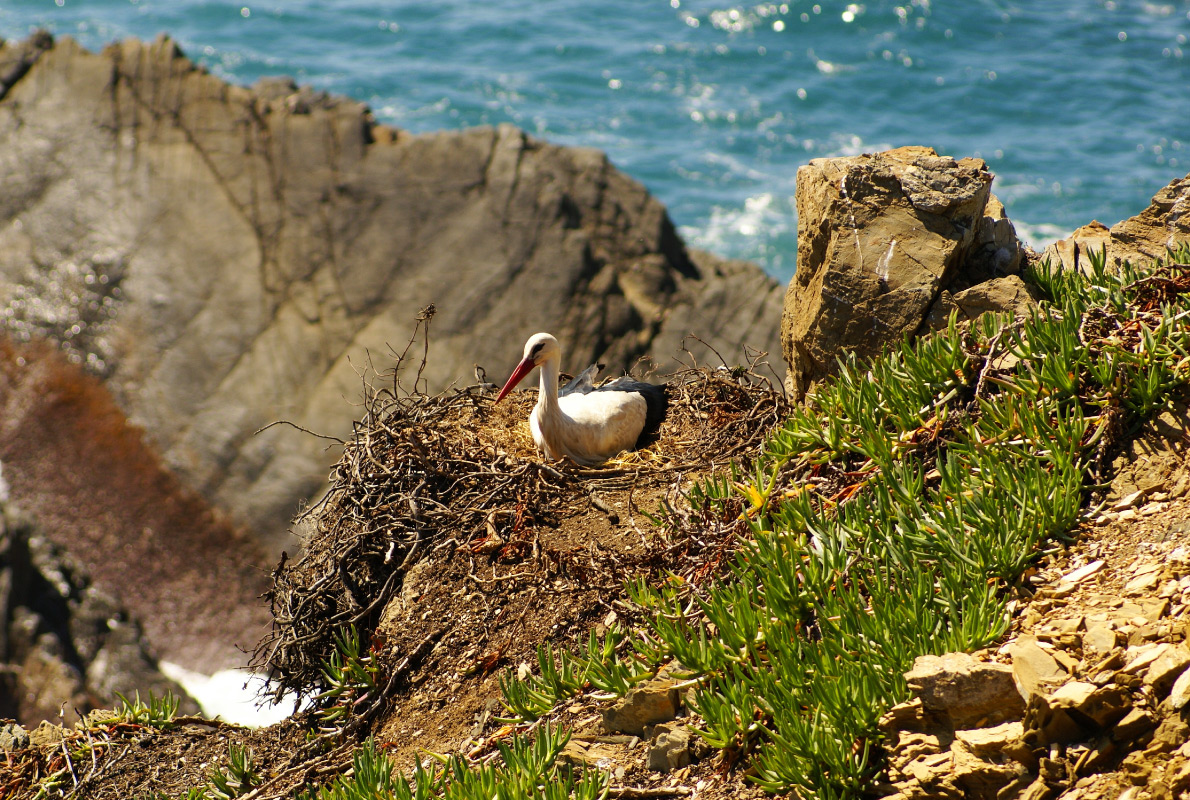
(226, 257)
(889, 244)
(1164, 225)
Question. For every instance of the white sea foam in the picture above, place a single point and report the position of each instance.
(1010, 191)
(763, 230)
(229, 694)
(759, 214)
(849, 144)
(1040, 235)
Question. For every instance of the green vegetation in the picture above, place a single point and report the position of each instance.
(237, 779)
(528, 771)
(156, 713)
(563, 675)
(349, 674)
(891, 513)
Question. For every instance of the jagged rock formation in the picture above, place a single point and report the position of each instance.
(65, 645)
(1096, 698)
(1139, 239)
(888, 244)
(228, 257)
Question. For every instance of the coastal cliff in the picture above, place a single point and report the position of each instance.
(226, 257)
(223, 257)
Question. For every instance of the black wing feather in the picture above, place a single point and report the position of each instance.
(656, 404)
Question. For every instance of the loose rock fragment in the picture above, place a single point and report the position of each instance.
(648, 703)
(1129, 501)
(983, 778)
(1100, 706)
(1141, 584)
(991, 741)
(1135, 724)
(1139, 658)
(1179, 695)
(671, 747)
(1167, 668)
(13, 737)
(965, 690)
(1101, 637)
(583, 754)
(1033, 668)
(1082, 573)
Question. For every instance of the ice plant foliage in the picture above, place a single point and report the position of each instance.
(239, 777)
(562, 675)
(891, 514)
(157, 712)
(529, 771)
(349, 675)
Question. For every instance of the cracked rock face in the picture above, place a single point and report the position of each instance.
(889, 244)
(1165, 224)
(266, 241)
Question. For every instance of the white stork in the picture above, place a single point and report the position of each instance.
(588, 423)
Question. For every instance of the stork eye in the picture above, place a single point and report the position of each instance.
(536, 349)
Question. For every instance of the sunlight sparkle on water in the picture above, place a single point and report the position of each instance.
(851, 12)
(657, 118)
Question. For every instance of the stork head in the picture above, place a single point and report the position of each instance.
(540, 348)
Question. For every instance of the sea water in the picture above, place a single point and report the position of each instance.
(1080, 107)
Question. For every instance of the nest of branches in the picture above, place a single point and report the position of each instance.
(428, 476)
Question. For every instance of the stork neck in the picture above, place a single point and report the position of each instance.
(547, 395)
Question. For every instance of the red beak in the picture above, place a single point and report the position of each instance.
(522, 369)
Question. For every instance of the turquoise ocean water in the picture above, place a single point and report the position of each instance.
(1081, 107)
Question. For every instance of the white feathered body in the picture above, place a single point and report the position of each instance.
(590, 428)
(586, 423)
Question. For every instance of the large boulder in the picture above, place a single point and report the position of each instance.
(1164, 225)
(882, 238)
(226, 257)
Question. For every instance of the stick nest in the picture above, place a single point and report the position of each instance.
(432, 476)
